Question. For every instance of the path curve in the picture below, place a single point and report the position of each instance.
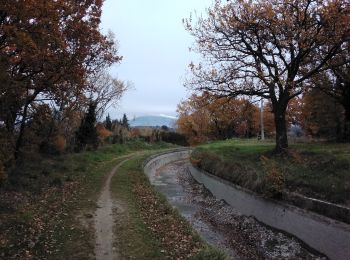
(103, 219)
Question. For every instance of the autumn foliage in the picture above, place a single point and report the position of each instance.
(269, 49)
(322, 116)
(208, 117)
(102, 132)
(53, 59)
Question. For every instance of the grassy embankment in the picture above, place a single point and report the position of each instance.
(47, 206)
(46, 200)
(319, 170)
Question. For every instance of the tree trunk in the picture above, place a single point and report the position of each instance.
(19, 141)
(281, 130)
(346, 133)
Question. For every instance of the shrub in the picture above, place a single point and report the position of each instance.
(103, 133)
(59, 144)
(174, 138)
(274, 182)
(53, 146)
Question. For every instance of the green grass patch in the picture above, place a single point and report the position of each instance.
(134, 240)
(319, 170)
(47, 200)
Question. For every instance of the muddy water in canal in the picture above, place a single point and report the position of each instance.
(221, 225)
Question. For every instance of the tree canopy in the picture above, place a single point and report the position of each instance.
(208, 117)
(49, 52)
(336, 83)
(266, 48)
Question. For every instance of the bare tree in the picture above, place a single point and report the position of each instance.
(106, 91)
(269, 49)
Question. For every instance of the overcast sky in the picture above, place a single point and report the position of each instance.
(154, 46)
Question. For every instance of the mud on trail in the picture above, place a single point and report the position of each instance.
(104, 220)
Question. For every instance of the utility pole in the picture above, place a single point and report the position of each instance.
(262, 119)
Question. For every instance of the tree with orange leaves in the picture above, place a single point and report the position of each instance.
(208, 117)
(321, 115)
(193, 121)
(47, 51)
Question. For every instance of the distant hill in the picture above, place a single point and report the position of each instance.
(153, 121)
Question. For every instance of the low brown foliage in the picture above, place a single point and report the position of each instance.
(273, 180)
(175, 235)
(103, 133)
(60, 143)
(271, 183)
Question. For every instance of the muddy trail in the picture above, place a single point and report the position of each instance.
(221, 225)
(104, 221)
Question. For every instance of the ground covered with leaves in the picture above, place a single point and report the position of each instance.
(147, 226)
(45, 199)
(318, 170)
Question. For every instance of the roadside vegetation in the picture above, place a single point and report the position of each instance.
(46, 209)
(318, 170)
(47, 205)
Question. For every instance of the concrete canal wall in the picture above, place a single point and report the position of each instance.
(325, 235)
(155, 162)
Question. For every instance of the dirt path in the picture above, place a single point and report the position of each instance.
(103, 220)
